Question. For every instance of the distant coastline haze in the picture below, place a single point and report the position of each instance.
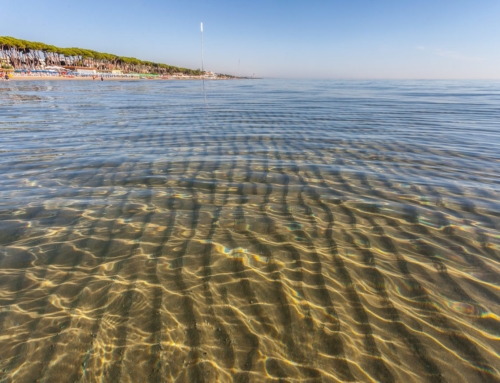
(357, 39)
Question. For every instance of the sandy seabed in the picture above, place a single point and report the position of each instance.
(325, 234)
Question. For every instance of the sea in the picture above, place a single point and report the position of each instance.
(256, 230)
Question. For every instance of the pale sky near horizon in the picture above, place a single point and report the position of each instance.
(344, 39)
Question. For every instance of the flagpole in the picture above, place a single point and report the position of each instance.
(201, 29)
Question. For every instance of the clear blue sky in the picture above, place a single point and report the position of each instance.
(280, 38)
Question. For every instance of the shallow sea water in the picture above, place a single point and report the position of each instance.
(265, 231)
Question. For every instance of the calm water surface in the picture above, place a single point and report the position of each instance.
(266, 231)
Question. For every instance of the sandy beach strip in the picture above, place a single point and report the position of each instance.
(98, 78)
(63, 78)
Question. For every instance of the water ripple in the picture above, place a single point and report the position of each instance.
(280, 231)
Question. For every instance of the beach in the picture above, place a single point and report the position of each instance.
(98, 78)
(81, 78)
(63, 78)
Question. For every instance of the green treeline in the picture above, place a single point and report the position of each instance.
(23, 54)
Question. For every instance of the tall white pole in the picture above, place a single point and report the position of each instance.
(202, 69)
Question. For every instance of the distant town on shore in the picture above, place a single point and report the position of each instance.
(22, 57)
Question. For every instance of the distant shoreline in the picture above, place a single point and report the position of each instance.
(60, 78)
(115, 78)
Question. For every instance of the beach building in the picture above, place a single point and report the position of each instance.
(81, 69)
(180, 75)
(209, 75)
(112, 71)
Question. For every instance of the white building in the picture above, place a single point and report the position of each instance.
(85, 71)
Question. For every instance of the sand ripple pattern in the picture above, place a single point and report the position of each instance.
(269, 232)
